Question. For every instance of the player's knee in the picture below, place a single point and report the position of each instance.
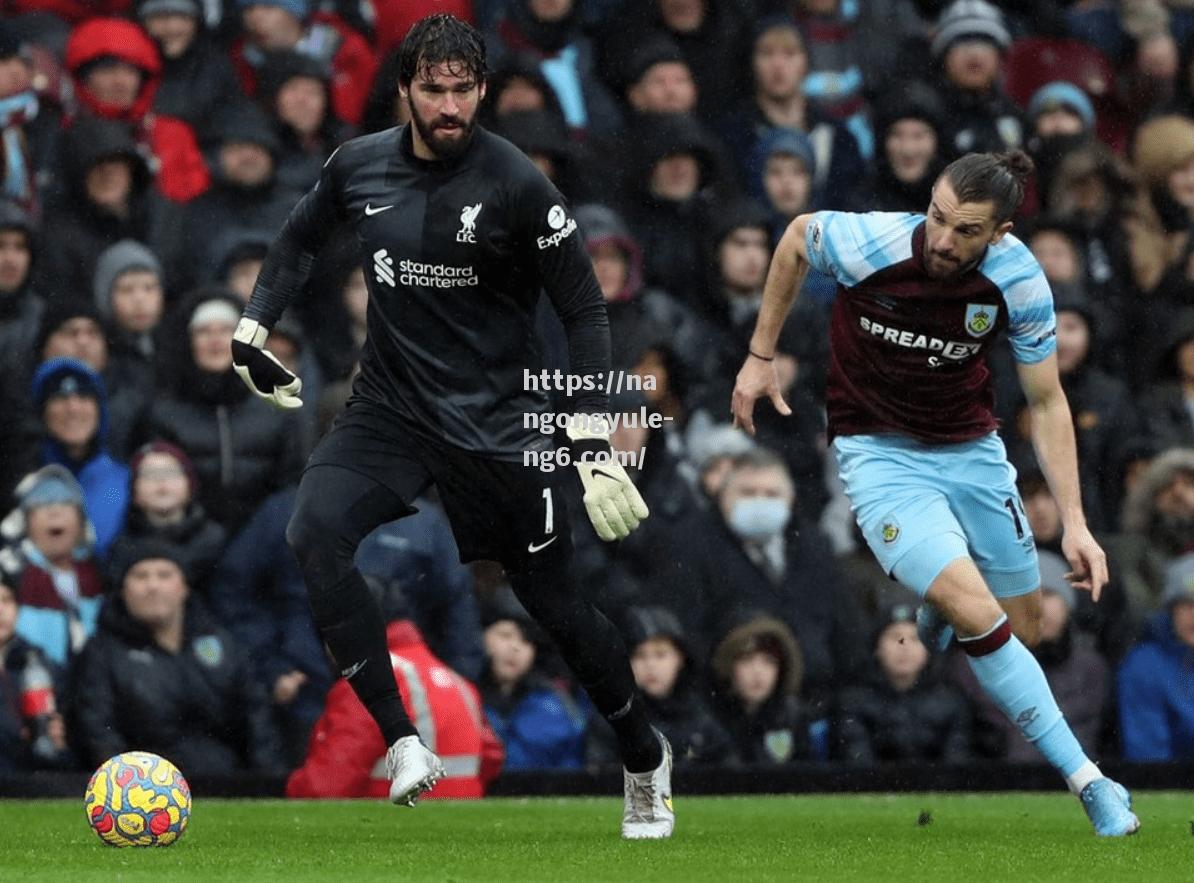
(964, 599)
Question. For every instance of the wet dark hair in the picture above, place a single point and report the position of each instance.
(991, 177)
(442, 39)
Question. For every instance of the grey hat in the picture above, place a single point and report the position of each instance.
(125, 255)
(970, 18)
(169, 7)
(1179, 580)
(719, 440)
(1053, 571)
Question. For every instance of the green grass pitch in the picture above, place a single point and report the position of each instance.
(972, 838)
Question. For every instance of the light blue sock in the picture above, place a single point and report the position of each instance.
(1013, 678)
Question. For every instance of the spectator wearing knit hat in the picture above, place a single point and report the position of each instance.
(164, 509)
(72, 402)
(271, 25)
(902, 712)
(162, 676)
(968, 48)
(1061, 118)
(51, 540)
(242, 448)
(1156, 697)
(197, 78)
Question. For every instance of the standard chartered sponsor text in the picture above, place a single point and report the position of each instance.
(435, 275)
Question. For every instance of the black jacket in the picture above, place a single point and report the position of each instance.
(775, 734)
(200, 707)
(685, 721)
(876, 724)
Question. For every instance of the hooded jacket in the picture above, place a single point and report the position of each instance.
(20, 309)
(181, 173)
(200, 707)
(346, 757)
(242, 448)
(911, 101)
(104, 480)
(1156, 695)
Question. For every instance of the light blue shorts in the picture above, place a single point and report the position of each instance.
(921, 506)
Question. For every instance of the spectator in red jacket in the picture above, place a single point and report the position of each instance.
(346, 757)
(272, 25)
(116, 70)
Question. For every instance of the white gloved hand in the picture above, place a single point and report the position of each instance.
(613, 502)
(260, 369)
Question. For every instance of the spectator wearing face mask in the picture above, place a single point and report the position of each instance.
(750, 555)
(1061, 118)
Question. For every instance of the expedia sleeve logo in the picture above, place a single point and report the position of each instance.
(558, 221)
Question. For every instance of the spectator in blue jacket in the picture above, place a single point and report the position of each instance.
(1156, 680)
(257, 593)
(73, 404)
(540, 725)
(419, 554)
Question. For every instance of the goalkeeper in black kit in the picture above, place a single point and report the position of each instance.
(458, 234)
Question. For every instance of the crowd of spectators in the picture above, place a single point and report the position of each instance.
(151, 150)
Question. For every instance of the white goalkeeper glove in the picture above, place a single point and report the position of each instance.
(260, 370)
(613, 502)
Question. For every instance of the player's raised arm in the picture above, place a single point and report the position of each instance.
(789, 265)
(1057, 452)
(285, 269)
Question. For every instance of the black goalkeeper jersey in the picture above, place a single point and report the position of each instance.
(455, 255)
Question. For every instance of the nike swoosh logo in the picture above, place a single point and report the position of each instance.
(606, 475)
(370, 211)
(349, 672)
(532, 548)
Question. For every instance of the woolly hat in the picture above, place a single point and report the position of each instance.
(1062, 95)
(970, 18)
(59, 311)
(1163, 145)
(170, 7)
(124, 256)
(300, 9)
(63, 377)
(164, 447)
(144, 549)
(655, 49)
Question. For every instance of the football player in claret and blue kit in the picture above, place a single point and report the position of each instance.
(920, 299)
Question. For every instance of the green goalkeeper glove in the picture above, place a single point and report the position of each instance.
(613, 502)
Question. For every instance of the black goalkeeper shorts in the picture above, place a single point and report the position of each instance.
(499, 510)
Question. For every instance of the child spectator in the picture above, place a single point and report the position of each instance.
(660, 660)
(902, 713)
(164, 509)
(540, 725)
(59, 589)
(161, 676)
(758, 669)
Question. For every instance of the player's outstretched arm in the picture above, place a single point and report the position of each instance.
(1057, 452)
(789, 265)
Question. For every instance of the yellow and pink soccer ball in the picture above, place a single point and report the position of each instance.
(138, 799)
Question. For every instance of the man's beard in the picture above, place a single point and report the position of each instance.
(446, 149)
(957, 269)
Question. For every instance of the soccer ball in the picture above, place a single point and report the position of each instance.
(138, 799)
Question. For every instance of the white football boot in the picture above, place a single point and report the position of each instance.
(412, 768)
(647, 812)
